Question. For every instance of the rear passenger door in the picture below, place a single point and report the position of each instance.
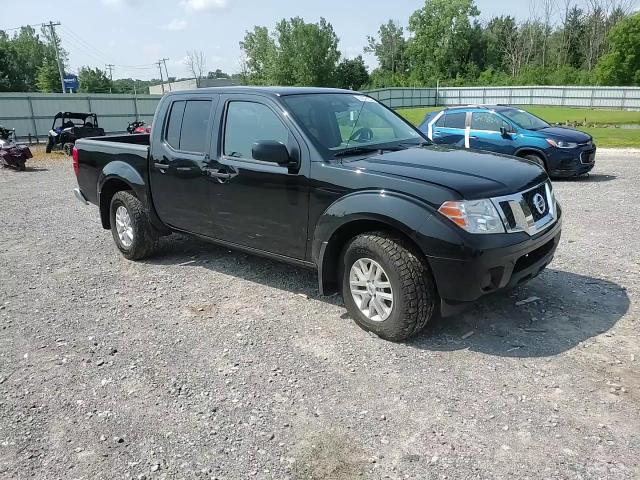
(449, 129)
(484, 133)
(179, 184)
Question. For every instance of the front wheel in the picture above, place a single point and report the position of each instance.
(387, 289)
(536, 159)
(132, 231)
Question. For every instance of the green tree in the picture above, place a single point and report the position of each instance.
(260, 56)
(352, 73)
(217, 74)
(307, 53)
(621, 66)
(441, 42)
(94, 80)
(296, 53)
(389, 48)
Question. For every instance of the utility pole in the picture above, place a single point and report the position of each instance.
(110, 67)
(54, 39)
(164, 60)
(161, 80)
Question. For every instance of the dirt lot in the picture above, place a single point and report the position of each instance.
(206, 363)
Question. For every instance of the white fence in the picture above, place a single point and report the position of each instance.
(31, 114)
(595, 97)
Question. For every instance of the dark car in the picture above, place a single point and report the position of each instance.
(331, 180)
(70, 126)
(563, 152)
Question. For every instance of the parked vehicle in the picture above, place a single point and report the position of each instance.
(12, 154)
(138, 127)
(563, 152)
(68, 127)
(331, 180)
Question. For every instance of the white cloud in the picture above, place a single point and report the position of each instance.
(198, 5)
(175, 25)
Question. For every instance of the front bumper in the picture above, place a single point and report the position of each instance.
(493, 269)
(572, 163)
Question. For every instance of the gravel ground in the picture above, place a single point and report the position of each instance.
(207, 363)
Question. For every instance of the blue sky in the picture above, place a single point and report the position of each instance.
(132, 34)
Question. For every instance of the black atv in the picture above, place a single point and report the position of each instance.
(12, 154)
(68, 127)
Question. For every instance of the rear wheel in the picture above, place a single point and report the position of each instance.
(132, 231)
(387, 289)
(536, 159)
(49, 146)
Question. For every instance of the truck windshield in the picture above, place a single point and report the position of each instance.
(525, 119)
(339, 121)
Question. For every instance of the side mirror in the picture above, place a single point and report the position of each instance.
(272, 151)
(504, 131)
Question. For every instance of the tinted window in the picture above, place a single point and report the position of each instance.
(486, 121)
(195, 126)
(247, 123)
(455, 120)
(440, 122)
(175, 124)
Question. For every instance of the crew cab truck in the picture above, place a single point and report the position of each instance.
(331, 180)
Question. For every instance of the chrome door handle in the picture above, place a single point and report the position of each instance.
(161, 166)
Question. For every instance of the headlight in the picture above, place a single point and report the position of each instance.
(475, 216)
(561, 143)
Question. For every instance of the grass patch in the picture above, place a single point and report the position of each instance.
(611, 136)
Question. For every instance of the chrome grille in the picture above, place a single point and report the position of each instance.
(520, 214)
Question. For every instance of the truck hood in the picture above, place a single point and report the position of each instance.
(472, 174)
(563, 133)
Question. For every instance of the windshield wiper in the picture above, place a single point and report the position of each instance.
(357, 151)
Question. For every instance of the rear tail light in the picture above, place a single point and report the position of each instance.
(75, 160)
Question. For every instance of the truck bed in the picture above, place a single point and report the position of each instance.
(97, 152)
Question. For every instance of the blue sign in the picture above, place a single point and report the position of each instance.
(71, 83)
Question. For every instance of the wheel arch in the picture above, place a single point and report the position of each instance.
(358, 213)
(521, 152)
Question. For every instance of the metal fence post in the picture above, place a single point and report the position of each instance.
(135, 107)
(33, 118)
(89, 104)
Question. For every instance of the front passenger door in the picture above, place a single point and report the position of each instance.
(485, 133)
(258, 204)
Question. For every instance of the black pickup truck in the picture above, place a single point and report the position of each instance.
(331, 180)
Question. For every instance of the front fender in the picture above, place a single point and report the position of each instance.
(397, 210)
(357, 212)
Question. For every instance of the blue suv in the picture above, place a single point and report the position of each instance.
(563, 152)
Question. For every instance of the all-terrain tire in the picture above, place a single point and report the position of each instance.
(145, 236)
(49, 146)
(414, 293)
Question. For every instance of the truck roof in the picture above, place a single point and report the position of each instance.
(276, 91)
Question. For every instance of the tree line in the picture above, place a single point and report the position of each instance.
(446, 42)
(562, 42)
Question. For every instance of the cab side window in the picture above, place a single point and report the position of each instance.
(455, 120)
(487, 121)
(187, 125)
(247, 123)
(440, 121)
